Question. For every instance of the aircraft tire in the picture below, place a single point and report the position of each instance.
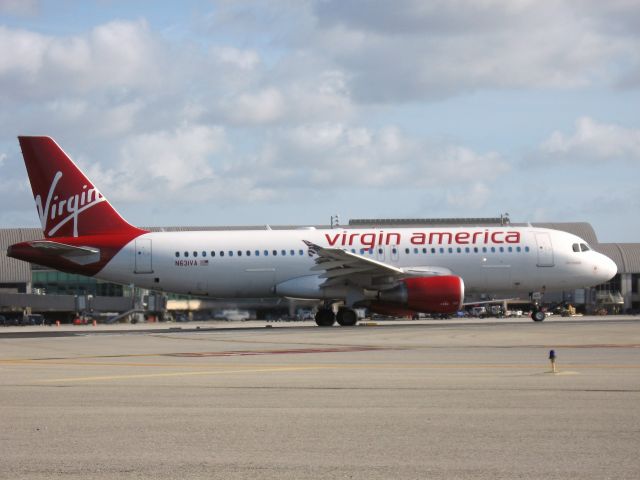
(347, 317)
(538, 315)
(325, 317)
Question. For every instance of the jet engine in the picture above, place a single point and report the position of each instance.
(437, 294)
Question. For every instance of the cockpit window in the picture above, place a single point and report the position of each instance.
(576, 247)
(584, 247)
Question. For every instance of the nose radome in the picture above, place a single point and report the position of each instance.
(607, 267)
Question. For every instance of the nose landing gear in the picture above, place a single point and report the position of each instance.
(537, 315)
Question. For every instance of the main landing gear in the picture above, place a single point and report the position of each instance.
(346, 317)
(325, 317)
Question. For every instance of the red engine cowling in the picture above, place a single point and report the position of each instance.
(439, 294)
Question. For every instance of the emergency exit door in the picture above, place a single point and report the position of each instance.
(143, 256)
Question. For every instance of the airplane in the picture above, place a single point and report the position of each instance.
(387, 270)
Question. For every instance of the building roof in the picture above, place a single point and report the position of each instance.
(626, 255)
(583, 230)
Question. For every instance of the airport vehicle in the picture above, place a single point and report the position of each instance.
(389, 271)
(33, 319)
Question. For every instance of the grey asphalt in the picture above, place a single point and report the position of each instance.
(463, 400)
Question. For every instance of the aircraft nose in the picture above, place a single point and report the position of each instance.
(607, 268)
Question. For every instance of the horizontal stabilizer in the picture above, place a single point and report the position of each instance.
(76, 254)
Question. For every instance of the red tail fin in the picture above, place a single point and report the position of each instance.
(68, 204)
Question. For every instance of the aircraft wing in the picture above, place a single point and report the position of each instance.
(340, 267)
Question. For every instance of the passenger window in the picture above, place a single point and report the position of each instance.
(239, 253)
(204, 254)
(526, 249)
(221, 253)
(380, 251)
(575, 247)
(441, 250)
(484, 249)
(293, 252)
(433, 250)
(467, 250)
(502, 249)
(584, 247)
(459, 250)
(257, 252)
(248, 253)
(518, 249)
(177, 254)
(213, 254)
(275, 252)
(283, 252)
(424, 250)
(510, 249)
(493, 249)
(195, 254)
(475, 249)
(230, 253)
(266, 253)
(450, 250)
(186, 254)
(301, 252)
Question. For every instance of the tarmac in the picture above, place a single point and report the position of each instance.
(463, 399)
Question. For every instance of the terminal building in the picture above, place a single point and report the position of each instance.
(32, 288)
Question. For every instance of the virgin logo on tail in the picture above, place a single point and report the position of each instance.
(63, 210)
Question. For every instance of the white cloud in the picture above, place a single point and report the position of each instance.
(240, 58)
(469, 197)
(116, 54)
(332, 155)
(412, 49)
(175, 158)
(592, 140)
(264, 106)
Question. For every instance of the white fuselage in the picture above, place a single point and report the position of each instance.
(251, 263)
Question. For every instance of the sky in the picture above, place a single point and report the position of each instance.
(198, 113)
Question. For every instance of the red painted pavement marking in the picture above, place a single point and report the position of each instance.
(240, 353)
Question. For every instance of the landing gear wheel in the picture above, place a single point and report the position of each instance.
(325, 317)
(538, 315)
(347, 317)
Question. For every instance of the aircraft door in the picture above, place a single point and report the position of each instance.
(380, 252)
(545, 250)
(394, 253)
(143, 256)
